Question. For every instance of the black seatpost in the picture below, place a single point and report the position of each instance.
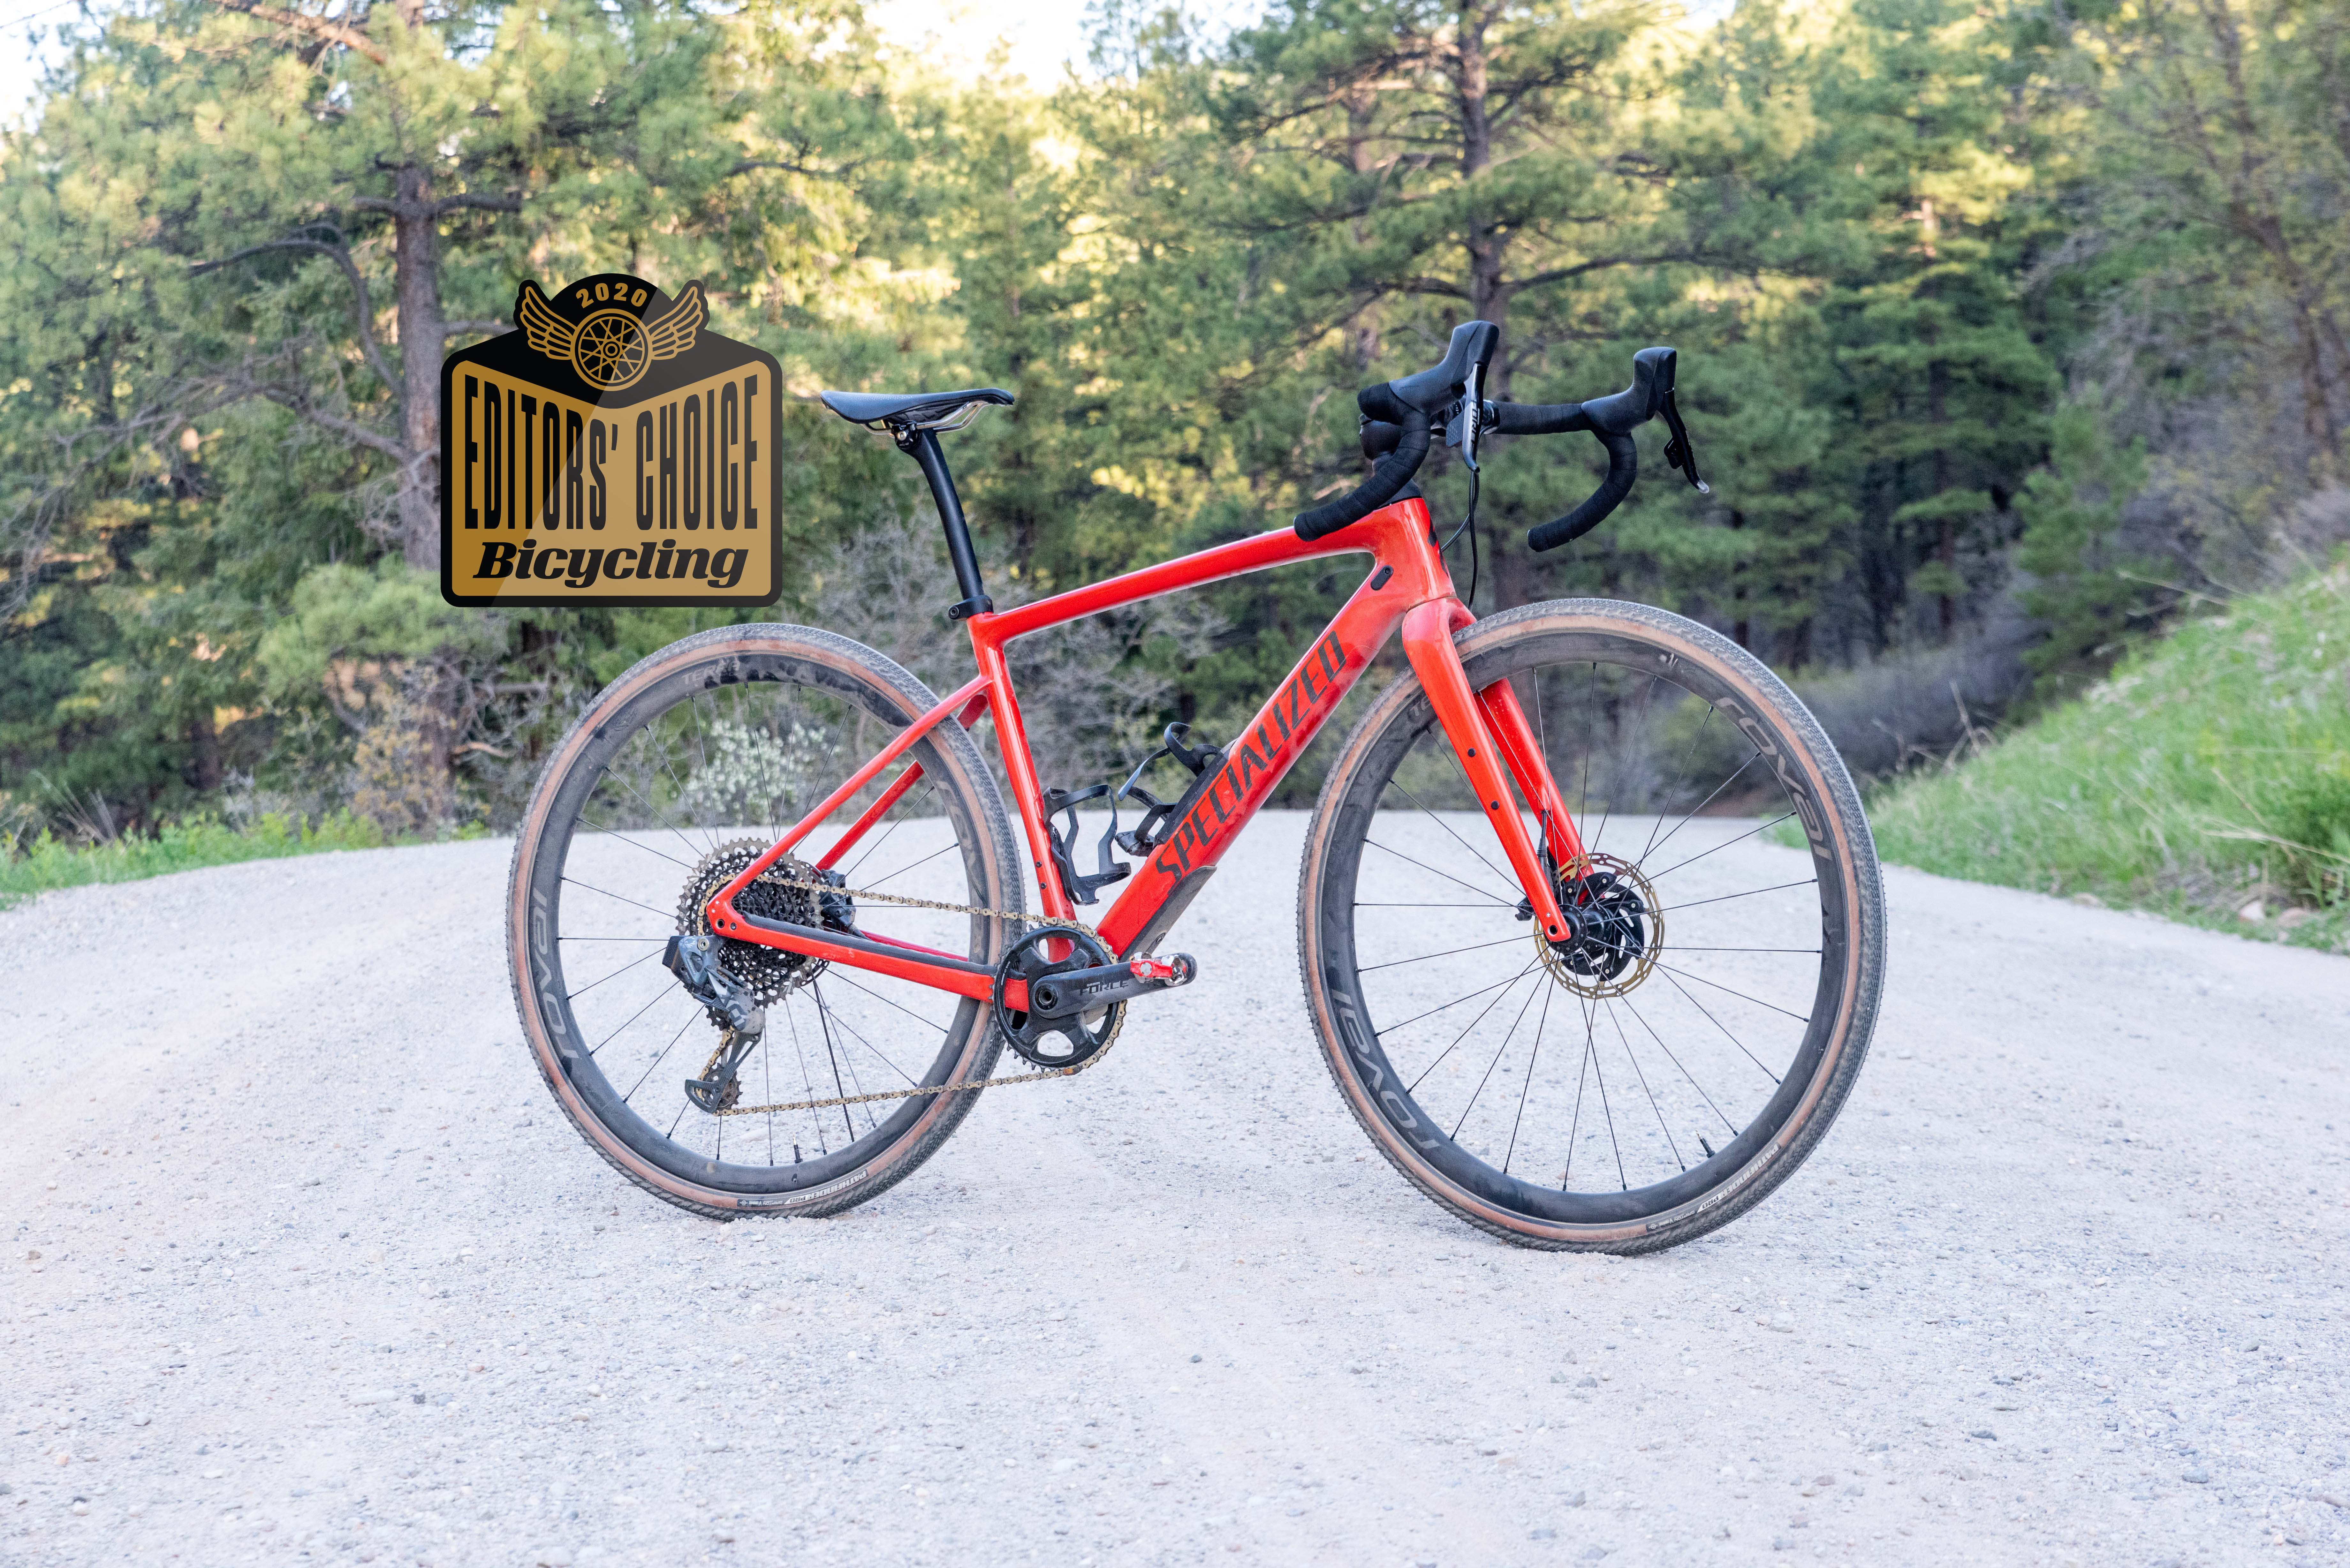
(923, 445)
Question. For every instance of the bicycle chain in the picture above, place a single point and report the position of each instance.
(726, 1036)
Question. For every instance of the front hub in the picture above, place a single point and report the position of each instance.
(1615, 928)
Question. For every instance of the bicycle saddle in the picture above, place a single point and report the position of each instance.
(916, 410)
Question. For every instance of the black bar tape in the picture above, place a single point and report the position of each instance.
(1393, 472)
(1535, 418)
(1381, 403)
(1623, 467)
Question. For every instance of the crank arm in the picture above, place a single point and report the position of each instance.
(1084, 990)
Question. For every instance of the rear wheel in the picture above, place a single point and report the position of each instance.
(1660, 1076)
(681, 774)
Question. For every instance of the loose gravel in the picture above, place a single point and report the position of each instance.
(304, 1266)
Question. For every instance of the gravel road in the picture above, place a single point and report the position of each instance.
(304, 1267)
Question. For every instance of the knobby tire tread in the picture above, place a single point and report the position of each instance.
(987, 807)
(1794, 722)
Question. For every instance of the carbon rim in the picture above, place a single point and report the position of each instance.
(611, 839)
(1672, 1131)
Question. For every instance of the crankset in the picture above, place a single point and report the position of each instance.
(1078, 999)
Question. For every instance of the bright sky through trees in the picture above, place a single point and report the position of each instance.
(1040, 36)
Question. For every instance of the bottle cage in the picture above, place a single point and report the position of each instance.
(1064, 802)
(1158, 816)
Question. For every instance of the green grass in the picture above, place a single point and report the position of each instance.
(2211, 769)
(49, 862)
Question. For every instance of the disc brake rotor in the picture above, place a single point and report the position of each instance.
(1617, 928)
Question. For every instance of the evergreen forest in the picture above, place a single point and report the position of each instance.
(2011, 332)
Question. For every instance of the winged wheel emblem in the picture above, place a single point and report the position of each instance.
(609, 347)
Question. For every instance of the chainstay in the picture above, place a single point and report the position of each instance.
(1118, 1025)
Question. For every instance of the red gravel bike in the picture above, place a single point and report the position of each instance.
(769, 917)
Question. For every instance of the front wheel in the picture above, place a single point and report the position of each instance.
(1659, 1076)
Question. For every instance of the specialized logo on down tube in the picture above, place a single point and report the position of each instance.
(1253, 766)
(610, 451)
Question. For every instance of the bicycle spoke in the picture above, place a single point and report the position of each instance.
(702, 761)
(1541, 1024)
(1691, 814)
(640, 1013)
(1591, 687)
(1450, 952)
(662, 1057)
(823, 1017)
(1724, 845)
(897, 821)
(1508, 1035)
(885, 1001)
(1414, 1086)
(649, 805)
(621, 971)
(1676, 1061)
(852, 1031)
(807, 1084)
(767, 1095)
(1392, 1028)
(1718, 1024)
(1685, 947)
(631, 843)
(834, 1023)
(925, 860)
(1688, 750)
(648, 909)
(1581, 1078)
(1640, 726)
(1685, 975)
(709, 838)
(1440, 822)
(1625, 1041)
(1599, 1076)
(1434, 872)
(1724, 899)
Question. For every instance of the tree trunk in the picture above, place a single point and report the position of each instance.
(1740, 629)
(1360, 108)
(204, 743)
(1489, 291)
(1946, 537)
(416, 240)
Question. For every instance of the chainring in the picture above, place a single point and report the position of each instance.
(768, 971)
(1027, 1033)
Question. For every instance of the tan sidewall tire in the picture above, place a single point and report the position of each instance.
(725, 654)
(1807, 767)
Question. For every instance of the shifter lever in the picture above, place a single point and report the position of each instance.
(1678, 452)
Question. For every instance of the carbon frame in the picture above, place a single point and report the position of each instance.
(1407, 589)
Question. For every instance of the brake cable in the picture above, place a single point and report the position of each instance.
(1468, 523)
(1464, 425)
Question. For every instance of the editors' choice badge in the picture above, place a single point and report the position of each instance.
(611, 450)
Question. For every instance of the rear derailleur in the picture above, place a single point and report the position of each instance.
(734, 1007)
